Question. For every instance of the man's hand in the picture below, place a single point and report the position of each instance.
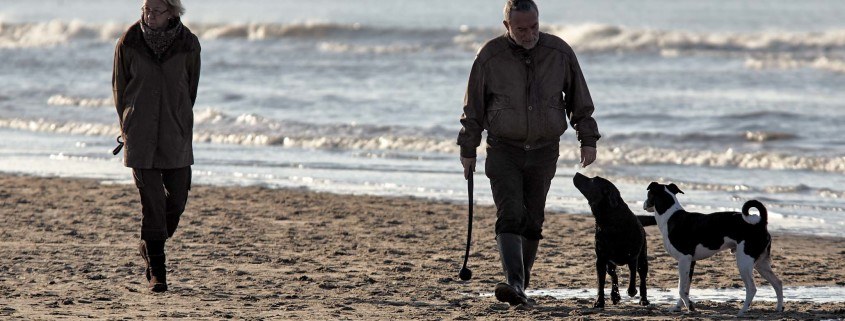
(588, 156)
(469, 166)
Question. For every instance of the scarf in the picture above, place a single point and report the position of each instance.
(160, 40)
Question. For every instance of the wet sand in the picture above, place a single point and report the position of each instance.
(69, 251)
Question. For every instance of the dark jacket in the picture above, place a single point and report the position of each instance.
(155, 97)
(517, 96)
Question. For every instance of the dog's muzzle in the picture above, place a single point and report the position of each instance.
(648, 206)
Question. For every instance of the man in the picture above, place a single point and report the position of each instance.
(516, 92)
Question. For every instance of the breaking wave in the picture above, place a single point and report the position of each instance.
(763, 136)
(55, 32)
(339, 47)
(597, 37)
(726, 158)
(584, 37)
(790, 62)
(213, 126)
(62, 100)
(73, 128)
(747, 136)
(43, 34)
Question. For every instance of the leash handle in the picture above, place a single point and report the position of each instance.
(119, 146)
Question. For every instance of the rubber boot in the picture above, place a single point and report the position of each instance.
(529, 254)
(510, 252)
(158, 269)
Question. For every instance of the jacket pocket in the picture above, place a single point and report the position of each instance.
(497, 114)
(554, 116)
(184, 120)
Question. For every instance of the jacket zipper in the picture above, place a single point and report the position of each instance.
(528, 83)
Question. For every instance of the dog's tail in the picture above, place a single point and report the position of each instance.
(764, 217)
(647, 220)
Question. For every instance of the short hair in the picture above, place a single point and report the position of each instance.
(176, 5)
(519, 5)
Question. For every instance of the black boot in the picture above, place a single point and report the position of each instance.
(529, 254)
(158, 269)
(510, 251)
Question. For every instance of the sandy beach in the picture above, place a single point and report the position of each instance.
(69, 251)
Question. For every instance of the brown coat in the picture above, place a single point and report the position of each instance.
(517, 96)
(155, 99)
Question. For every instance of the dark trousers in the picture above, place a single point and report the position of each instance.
(164, 193)
(520, 181)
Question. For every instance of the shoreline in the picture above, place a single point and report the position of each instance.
(70, 249)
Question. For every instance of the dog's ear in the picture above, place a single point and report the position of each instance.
(674, 189)
(652, 186)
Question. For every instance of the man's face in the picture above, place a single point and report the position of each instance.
(524, 28)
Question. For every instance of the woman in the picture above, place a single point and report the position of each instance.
(156, 72)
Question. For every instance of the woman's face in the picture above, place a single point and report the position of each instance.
(156, 13)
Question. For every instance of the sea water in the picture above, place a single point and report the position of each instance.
(730, 100)
(817, 294)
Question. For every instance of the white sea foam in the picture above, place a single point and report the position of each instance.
(55, 32)
(758, 136)
(75, 128)
(249, 129)
(259, 31)
(584, 37)
(338, 47)
(208, 116)
(726, 158)
(665, 296)
(62, 100)
(766, 136)
(40, 34)
(789, 62)
(346, 143)
(599, 37)
(828, 193)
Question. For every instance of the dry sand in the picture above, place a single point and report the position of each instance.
(69, 252)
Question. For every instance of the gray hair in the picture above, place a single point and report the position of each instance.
(176, 5)
(519, 5)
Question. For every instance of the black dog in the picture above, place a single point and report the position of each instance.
(620, 237)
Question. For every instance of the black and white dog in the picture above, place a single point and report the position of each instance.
(689, 237)
(620, 238)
